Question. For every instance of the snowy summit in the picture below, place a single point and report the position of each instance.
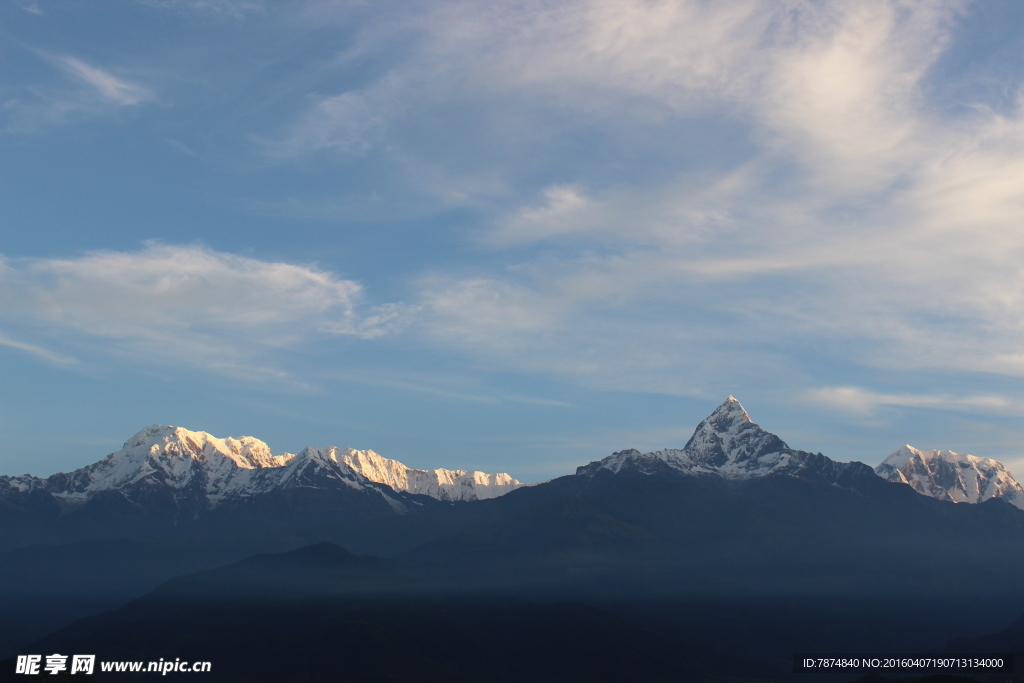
(952, 476)
(727, 443)
(201, 466)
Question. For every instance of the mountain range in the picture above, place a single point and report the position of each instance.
(733, 541)
(210, 471)
(195, 472)
(168, 484)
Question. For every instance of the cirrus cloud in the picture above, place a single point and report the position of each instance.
(865, 402)
(110, 87)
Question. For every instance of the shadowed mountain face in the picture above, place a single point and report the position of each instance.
(321, 607)
(1009, 639)
(1006, 640)
(321, 613)
(676, 534)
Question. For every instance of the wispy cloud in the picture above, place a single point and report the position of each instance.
(189, 305)
(228, 8)
(443, 386)
(565, 209)
(89, 92)
(852, 211)
(865, 402)
(658, 195)
(37, 351)
(106, 84)
(344, 123)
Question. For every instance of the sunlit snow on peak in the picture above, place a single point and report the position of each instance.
(726, 443)
(952, 476)
(195, 463)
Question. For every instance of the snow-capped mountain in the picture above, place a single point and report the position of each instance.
(952, 476)
(208, 471)
(728, 444)
(440, 483)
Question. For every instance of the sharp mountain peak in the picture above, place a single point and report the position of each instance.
(728, 443)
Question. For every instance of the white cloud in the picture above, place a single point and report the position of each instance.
(865, 402)
(189, 305)
(828, 92)
(602, 322)
(866, 219)
(847, 209)
(345, 123)
(30, 106)
(843, 92)
(565, 209)
(440, 384)
(660, 216)
(679, 52)
(37, 351)
(109, 86)
(231, 8)
(835, 85)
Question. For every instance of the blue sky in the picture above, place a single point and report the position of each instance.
(510, 236)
